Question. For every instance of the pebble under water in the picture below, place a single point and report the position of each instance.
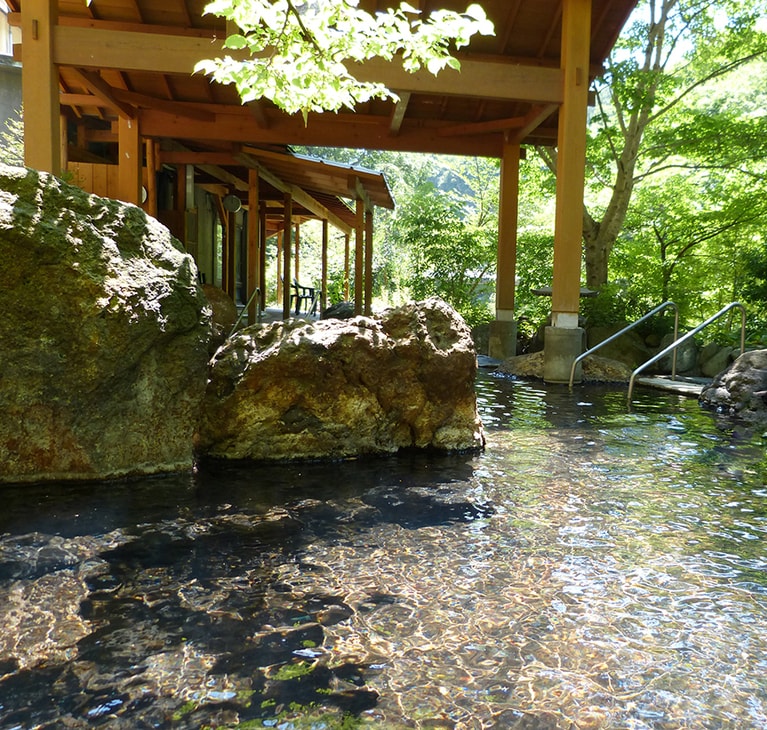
(595, 567)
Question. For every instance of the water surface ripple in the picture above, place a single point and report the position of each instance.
(594, 568)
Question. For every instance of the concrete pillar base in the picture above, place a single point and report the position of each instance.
(560, 347)
(503, 339)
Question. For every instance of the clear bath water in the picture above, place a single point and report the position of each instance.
(595, 567)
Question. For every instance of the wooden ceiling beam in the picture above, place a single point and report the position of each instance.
(171, 107)
(225, 176)
(14, 20)
(139, 51)
(74, 100)
(494, 125)
(259, 114)
(323, 130)
(189, 157)
(487, 78)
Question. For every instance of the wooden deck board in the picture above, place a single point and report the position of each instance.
(684, 386)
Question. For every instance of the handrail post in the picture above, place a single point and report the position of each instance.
(615, 336)
(675, 344)
(256, 293)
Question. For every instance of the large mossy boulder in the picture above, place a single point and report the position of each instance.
(741, 389)
(103, 332)
(341, 388)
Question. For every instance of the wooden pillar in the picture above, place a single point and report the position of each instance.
(262, 252)
(347, 275)
(130, 161)
(151, 177)
(279, 267)
(253, 277)
(297, 255)
(368, 262)
(571, 163)
(563, 340)
(324, 274)
(63, 143)
(40, 87)
(231, 255)
(503, 331)
(287, 225)
(507, 233)
(359, 256)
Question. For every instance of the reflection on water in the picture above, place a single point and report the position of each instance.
(594, 568)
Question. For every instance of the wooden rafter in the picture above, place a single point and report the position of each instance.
(532, 120)
(398, 113)
(100, 88)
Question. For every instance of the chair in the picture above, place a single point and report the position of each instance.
(304, 296)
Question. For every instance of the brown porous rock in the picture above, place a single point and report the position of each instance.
(342, 388)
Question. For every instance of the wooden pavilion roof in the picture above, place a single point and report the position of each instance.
(118, 56)
(134, 59)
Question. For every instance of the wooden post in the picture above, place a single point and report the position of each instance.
(40, 87)
(347, 275)
(287, 225)
(297, 255)
(563, 340)
(507, 233)
(368, 262)
(571, 163)
(279, 267)
(359, 256)
(130, 161)
(151, 177)
(503, 331)
(324, 275)
(262, 252)
(231, 248)
(253, 279)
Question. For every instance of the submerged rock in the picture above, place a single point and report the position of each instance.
(104, 336)
(741, 389)
(595, 368)
(341, 388)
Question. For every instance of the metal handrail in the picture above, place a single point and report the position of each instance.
(615, 336)
(692, 333)
(255, 293)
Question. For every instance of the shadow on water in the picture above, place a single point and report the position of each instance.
(593, 568)
(185, 570)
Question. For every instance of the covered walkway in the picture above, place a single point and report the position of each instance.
(113, 78)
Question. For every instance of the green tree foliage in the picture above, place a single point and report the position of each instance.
(649, 117)
(301, 52)
(676, 161)
(449, 253)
